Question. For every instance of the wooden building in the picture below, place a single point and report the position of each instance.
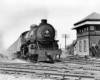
(88, 36)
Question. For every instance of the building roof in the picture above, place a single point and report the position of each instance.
(92, 17)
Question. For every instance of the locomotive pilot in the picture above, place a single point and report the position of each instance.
(32, 53)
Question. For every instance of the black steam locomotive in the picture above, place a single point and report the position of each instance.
(39, 44)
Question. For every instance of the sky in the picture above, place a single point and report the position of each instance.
(16, 16)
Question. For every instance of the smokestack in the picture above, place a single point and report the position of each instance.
(44, 21)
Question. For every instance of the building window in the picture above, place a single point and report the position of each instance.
(97, 28)
(85, 48)
(87, 29)
(80, 46)
(84, 29)
(91, 27)
(80, 31)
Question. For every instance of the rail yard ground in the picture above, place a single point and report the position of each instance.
(69, 68)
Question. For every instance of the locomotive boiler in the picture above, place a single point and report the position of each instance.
(39, 43)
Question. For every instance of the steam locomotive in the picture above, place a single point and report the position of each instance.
(39, 43)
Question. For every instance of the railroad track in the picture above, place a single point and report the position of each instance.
(93, 63)
(41, 71)
(62, 69)
(46, 69)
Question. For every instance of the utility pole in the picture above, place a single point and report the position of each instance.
(65, 41)
(65, 36)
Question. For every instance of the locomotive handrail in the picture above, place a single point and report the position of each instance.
(37, 44)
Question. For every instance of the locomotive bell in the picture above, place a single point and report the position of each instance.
(33, 26)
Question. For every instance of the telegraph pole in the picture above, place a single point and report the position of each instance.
(65, 36)
(65, 41)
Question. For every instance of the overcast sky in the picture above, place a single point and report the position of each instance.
(16, 16)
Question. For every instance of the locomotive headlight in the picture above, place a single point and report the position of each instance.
(46, 33)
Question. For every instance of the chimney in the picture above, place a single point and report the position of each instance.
(44, 21)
